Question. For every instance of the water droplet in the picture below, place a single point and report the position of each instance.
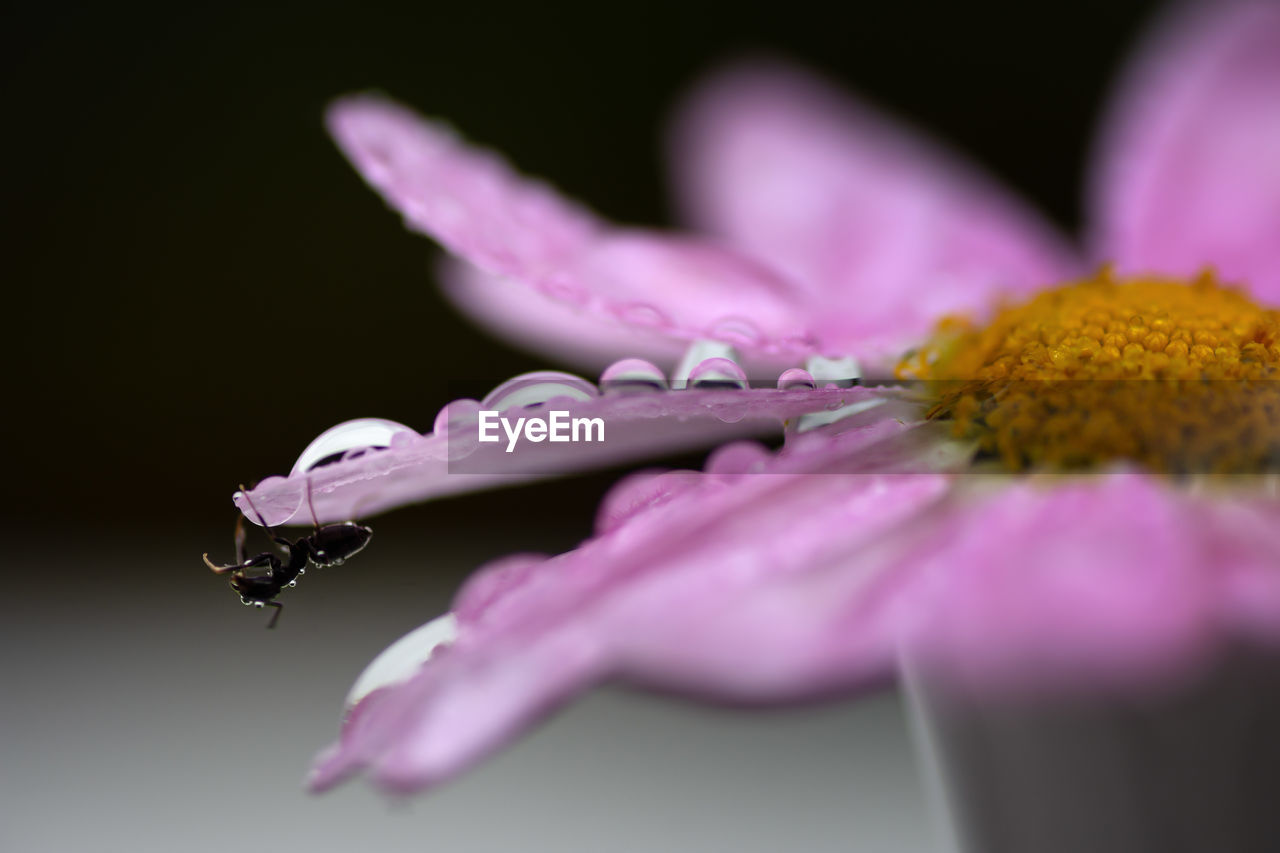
(717, 373)
(560, 288)
(731, 414)
(839, 371)
(302, 571)
(642, 314)
(275, 500)
(334, 443)
(631, 375)
(293, 583)
(403, 658)
(836, 410)
(257, 604)
(534, 389)
(796, 379)
(698, 352)
(736, 330)
(246, 602)
(459, 413)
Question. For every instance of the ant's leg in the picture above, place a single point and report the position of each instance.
(220, 569)
(313, 551)
(263, 559)
(275, 617)
(241, 553)
(242, 559)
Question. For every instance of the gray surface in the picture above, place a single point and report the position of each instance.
(144, 709)
(1192, 767)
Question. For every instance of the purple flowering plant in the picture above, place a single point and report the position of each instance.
(828, 243)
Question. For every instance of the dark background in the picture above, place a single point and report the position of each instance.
(201, 284)
(197, 284)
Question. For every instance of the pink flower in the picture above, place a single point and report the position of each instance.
(825, 232)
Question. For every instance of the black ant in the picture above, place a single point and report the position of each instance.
(259, 579)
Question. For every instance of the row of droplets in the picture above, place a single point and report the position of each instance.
(731, 330)
(706, 365)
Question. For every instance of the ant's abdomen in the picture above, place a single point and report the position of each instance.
(334, 543)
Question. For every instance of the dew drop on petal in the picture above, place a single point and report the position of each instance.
(836, 410)
(534, 389)
(842, 372)
(731, 414)
(631, 375)
(796, 379)
(403, 658)
(334, 443)
(642, 314)
(278, 499)
(698, 352)
(799, 343)
(455, 414)
(561, 289)
(717, 373)
(736, 330)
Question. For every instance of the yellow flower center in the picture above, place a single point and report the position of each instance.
(1178, 377)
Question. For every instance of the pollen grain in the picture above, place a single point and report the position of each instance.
(1177, 377)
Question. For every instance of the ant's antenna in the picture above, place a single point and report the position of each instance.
(279, 540)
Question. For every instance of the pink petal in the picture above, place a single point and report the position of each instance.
(524, 317)
(692, 592)
(1188, 172)
(450, 459)
(765, 581)
(506, 225)
(787, 601)
(1110, 579)
(886, 232)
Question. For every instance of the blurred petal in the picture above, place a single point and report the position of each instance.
(1114, 579)
(1188, 166)
(780, 585)
(681, 594)
(482, 211)
(886, 233)
(779, 608)
(524, 317)
(451, 459)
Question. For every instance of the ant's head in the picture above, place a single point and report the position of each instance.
(332, 544)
